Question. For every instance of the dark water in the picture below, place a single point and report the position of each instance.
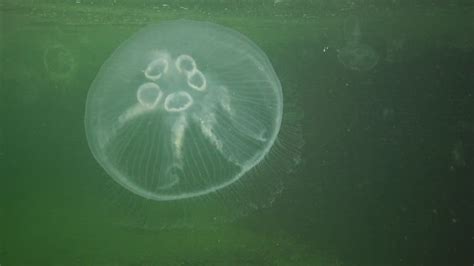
(386, 171)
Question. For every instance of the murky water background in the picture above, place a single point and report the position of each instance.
(385, 175)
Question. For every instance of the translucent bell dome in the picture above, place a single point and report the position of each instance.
(182, 109)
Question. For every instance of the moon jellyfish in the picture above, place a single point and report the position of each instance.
(458, 155)
(59, 62)
(356, 55)
(183, 109)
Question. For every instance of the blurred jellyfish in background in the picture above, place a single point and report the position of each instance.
(59, 62)
(355, 54)
(458, 155)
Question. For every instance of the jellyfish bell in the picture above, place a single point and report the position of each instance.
(192, 112)
(356, 55)
(171, 88)
(60, 67)
(360, 57)
(59, 62)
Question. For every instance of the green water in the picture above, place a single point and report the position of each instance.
(385, 172)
